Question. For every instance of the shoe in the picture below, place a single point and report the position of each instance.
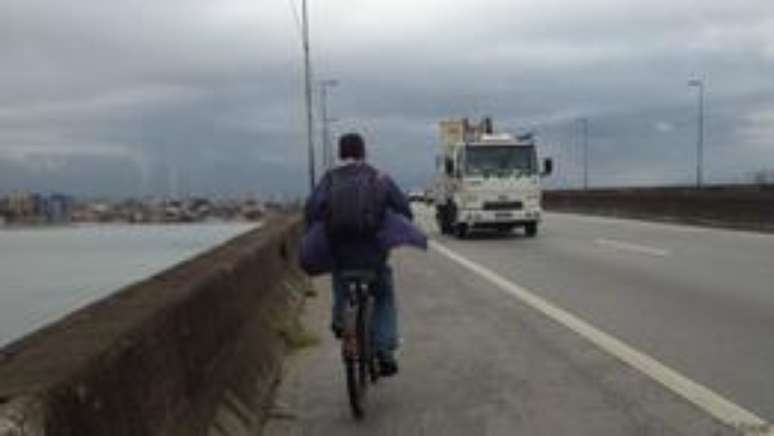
(388, 366)
(338, 330)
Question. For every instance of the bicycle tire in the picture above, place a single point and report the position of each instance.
(355, 398)
(363, 348)
(370, 363)
(358, 366)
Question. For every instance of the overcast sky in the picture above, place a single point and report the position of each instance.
(135, 97)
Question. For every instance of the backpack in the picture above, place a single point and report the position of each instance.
(356, 203)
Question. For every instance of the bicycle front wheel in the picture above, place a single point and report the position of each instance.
(354, 389)
(358, 366)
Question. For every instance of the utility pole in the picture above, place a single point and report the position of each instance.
(308, 94)
(584, 122)
(700, 135)
(569, 155)
(327, 152)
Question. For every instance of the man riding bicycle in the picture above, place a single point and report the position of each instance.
(352, 200)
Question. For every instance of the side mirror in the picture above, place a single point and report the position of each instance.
(449, 166)
(548, 167)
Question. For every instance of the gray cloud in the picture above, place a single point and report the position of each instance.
(123, 97)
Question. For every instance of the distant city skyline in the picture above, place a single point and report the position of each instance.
(35, 208)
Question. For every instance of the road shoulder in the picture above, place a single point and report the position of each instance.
(475, 361)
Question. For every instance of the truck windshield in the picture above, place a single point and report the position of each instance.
(500, 161)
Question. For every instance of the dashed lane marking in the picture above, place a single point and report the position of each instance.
(632, 248)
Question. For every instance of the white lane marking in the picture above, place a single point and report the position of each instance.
(703, 397)
(634, 248)
(676, 227)
(684, 228)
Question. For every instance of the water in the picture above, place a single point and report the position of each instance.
(46, 273)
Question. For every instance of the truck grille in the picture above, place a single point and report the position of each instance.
(502, 205)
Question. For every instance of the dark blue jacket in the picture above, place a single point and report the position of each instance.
(363, 253)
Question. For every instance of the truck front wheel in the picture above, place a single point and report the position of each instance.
(531, 229)
(439, 219)
(446, 216)
(443, 220)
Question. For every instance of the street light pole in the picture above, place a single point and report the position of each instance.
(327, 154)
(700, 135)
(700, 151)
(308, 95)
(585, 123)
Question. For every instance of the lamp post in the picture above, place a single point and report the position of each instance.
(327, 152)
(584, 122)
(308, 95)
(699, 83)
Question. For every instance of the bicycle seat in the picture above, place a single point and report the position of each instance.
(359, 275)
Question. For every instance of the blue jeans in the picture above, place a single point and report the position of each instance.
(384, 326)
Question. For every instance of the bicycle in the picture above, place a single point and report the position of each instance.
(360, 363)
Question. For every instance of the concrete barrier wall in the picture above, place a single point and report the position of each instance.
(734, 206)
(195, 350)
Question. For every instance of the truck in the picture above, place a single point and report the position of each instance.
(487, 180)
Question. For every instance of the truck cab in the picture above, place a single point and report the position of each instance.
(491, 181)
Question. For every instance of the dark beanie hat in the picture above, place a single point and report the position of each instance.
(351, 146)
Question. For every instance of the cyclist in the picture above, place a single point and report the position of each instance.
(351, 200)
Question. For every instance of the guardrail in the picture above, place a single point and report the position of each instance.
(732, 206)
(195, 350)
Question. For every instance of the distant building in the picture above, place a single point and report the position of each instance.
(21, 207)
(38, 206)
(58, 208)
(34, 208)
(101, 212)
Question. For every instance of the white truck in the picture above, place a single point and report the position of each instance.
(487, 180)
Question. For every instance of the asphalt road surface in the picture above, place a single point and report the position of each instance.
(629, 319)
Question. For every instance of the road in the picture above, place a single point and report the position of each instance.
(479, 360)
